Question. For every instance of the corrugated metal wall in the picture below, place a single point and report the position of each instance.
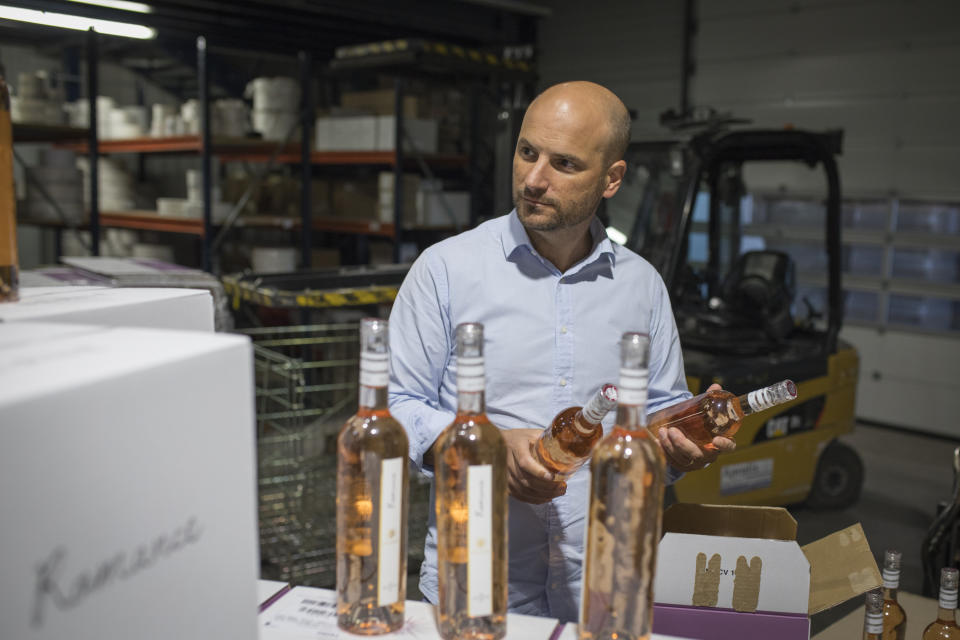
(633, 48)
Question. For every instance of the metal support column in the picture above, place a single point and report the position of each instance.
(398, 168)
(93, 151)
(205, 152)
(306, 168)
(688, 64)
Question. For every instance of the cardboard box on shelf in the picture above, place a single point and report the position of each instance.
(154, 307)
(356, 199)
(373, 133)
(731, 572)
(346, 133)
(443, 208)
(421, 135)
(380, 102)
(411, 187)
(128, 483)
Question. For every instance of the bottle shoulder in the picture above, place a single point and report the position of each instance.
(368, 427)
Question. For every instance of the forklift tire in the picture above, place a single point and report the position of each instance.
(838, 478)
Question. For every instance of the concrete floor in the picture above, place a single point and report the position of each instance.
(906, 476)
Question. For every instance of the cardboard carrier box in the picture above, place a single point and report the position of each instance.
(732, 572)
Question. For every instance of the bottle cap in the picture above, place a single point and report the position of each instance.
(891, 569)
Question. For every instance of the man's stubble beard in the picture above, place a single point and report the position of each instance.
(564, 216)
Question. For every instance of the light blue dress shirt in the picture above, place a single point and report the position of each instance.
(551, 340)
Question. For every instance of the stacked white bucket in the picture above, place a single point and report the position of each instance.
(115, 185)
(36, 101)
(276, 106)
(113, 122)
(58, 176)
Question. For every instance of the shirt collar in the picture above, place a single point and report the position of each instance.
(514, 237)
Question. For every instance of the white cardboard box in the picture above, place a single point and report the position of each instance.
(729, 572)
(128, 484)
(346, 133)
(159, 308)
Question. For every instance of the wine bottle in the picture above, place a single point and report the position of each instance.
(624, 517)
(719, 413)
(873, 616)
(372, 500)
(569, 440)
(471, 504)
(945, 626)
(9, 266)
(894, 617)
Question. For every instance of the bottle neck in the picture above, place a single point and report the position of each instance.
(471, 385)
(767, 397)
(947, 605)
(632, 399)
(470, 402)
(373, 398)
(374, 379)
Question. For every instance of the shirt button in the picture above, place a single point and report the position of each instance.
(563, 329)
(563, 382)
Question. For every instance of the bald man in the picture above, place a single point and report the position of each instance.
(555, 296)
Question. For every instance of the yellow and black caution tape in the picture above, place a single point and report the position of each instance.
(437, 48)
(307, 299)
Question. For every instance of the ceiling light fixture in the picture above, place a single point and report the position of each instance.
(121, 5)
(65, 21)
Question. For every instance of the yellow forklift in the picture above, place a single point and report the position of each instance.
(685, 206)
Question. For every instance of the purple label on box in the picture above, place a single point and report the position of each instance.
(726, 624)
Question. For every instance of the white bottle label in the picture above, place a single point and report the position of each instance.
(948, 599)
(874, 623)
(761, 399)
(480, 540)
(633, 387)
(470, 374)
(891, 578)
(374, 369)
(391, 522)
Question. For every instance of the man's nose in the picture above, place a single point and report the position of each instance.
(536, 179)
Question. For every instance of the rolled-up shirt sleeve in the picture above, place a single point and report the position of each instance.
(420, 349)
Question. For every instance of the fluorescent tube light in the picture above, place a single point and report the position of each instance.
(50, 19)
(122, 5)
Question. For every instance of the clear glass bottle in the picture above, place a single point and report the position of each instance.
(873, 616)
(471, 503)
(569, 440)
(945, 626)
(894, 617)
(372, 500)
(624, 518)
(719, 412)
(9, 265)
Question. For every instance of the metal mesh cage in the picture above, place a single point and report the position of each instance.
(306, 387)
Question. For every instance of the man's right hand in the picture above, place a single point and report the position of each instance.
(527, 479)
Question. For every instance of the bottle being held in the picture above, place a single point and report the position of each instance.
(372, 500)
(719, 412)
(569, 440)
(894, 617)
(873, 616)
(624, 517)
(945, 626)
(9, 265)
(471, 507)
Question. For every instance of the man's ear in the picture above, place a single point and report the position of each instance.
(615, 178)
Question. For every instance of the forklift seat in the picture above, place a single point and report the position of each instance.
(760, 289)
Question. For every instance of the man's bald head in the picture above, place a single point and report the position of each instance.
(580, 94)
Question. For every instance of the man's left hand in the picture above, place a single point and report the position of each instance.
(684, 455)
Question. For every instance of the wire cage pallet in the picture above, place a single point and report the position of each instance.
(306, 381)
